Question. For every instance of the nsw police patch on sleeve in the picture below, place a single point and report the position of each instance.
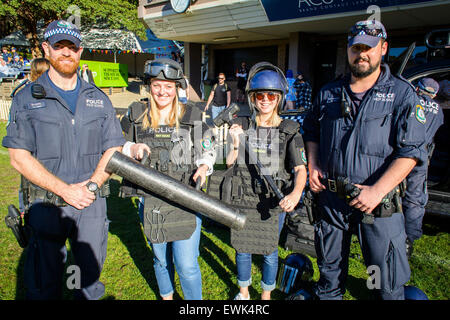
(420, 114)
(303, 155)
(36, 105)
(207, 143)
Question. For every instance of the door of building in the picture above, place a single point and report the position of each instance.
(324, 64)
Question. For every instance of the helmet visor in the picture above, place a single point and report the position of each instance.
(286, 277)
(170, 72)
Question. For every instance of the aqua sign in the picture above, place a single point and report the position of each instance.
(293, 9)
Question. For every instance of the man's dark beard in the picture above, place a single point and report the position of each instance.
(357, 73)
(67, 70)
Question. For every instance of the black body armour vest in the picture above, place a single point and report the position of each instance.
(243, 187)
(172, 153)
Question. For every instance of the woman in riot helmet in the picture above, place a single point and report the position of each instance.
(279, 148)
(165, 129)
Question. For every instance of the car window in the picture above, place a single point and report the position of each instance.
(419, 55)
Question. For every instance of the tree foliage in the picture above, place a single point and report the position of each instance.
(114, 14)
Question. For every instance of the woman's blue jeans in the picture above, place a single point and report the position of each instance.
(181, 255)
(269, 267)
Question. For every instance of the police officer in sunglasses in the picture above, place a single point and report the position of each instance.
(279, 147)
(180, 145)
(367, 131)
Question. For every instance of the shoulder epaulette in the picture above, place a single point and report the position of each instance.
(191, 114)
(136, 109)
(289, 126)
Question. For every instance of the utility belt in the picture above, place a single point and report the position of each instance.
(32, 193)
(347, 191)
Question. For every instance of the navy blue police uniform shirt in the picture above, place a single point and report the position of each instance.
(389, 124)
(70, 96)
(434, 116)
(69, 145)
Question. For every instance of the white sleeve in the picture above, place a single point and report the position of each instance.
(208, 162)
(126, 150)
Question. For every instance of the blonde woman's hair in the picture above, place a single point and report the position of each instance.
(275, 119)
(37, 67)
(176, 114)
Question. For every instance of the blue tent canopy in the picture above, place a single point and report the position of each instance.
(158, 46)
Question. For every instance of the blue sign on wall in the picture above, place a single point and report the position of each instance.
(293, 9)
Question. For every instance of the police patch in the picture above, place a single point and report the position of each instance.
(94, 103)
(420, 114)
(206, 143)
(64, 24)
(303, 155)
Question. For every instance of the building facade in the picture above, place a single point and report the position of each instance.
(301, 35)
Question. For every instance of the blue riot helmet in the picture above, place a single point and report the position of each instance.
(414, 293)
(301, 294)
(294, 270)
(266, 76)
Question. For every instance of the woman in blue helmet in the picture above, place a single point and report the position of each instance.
(280, 150)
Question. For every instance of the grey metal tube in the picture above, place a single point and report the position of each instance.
(173, 190)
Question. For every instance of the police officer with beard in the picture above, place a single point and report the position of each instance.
(363, 135)
(61, 134)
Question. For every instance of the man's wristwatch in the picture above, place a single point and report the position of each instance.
(92, 187)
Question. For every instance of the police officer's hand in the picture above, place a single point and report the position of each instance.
(234, 131)
(206, 108)
(200, 174)
(138, 149)
(368, 199)
(315, 174)
(78, 196)
(289, 202)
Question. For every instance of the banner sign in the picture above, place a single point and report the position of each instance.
(277, 10)
(108, 74)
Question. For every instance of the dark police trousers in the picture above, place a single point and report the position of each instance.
(414, 201)
(382, 245)
(87, 231)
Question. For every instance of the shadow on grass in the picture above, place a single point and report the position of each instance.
(357, 288)
(212, 253)
(20, 282)
(126, 225)
(223, 234)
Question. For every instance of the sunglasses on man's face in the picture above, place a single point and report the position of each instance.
(271, 96)
(369, 30)
(221, 78)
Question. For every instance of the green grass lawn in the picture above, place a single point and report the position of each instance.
(128, 271)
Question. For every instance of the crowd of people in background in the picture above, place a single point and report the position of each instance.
(12, 64)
